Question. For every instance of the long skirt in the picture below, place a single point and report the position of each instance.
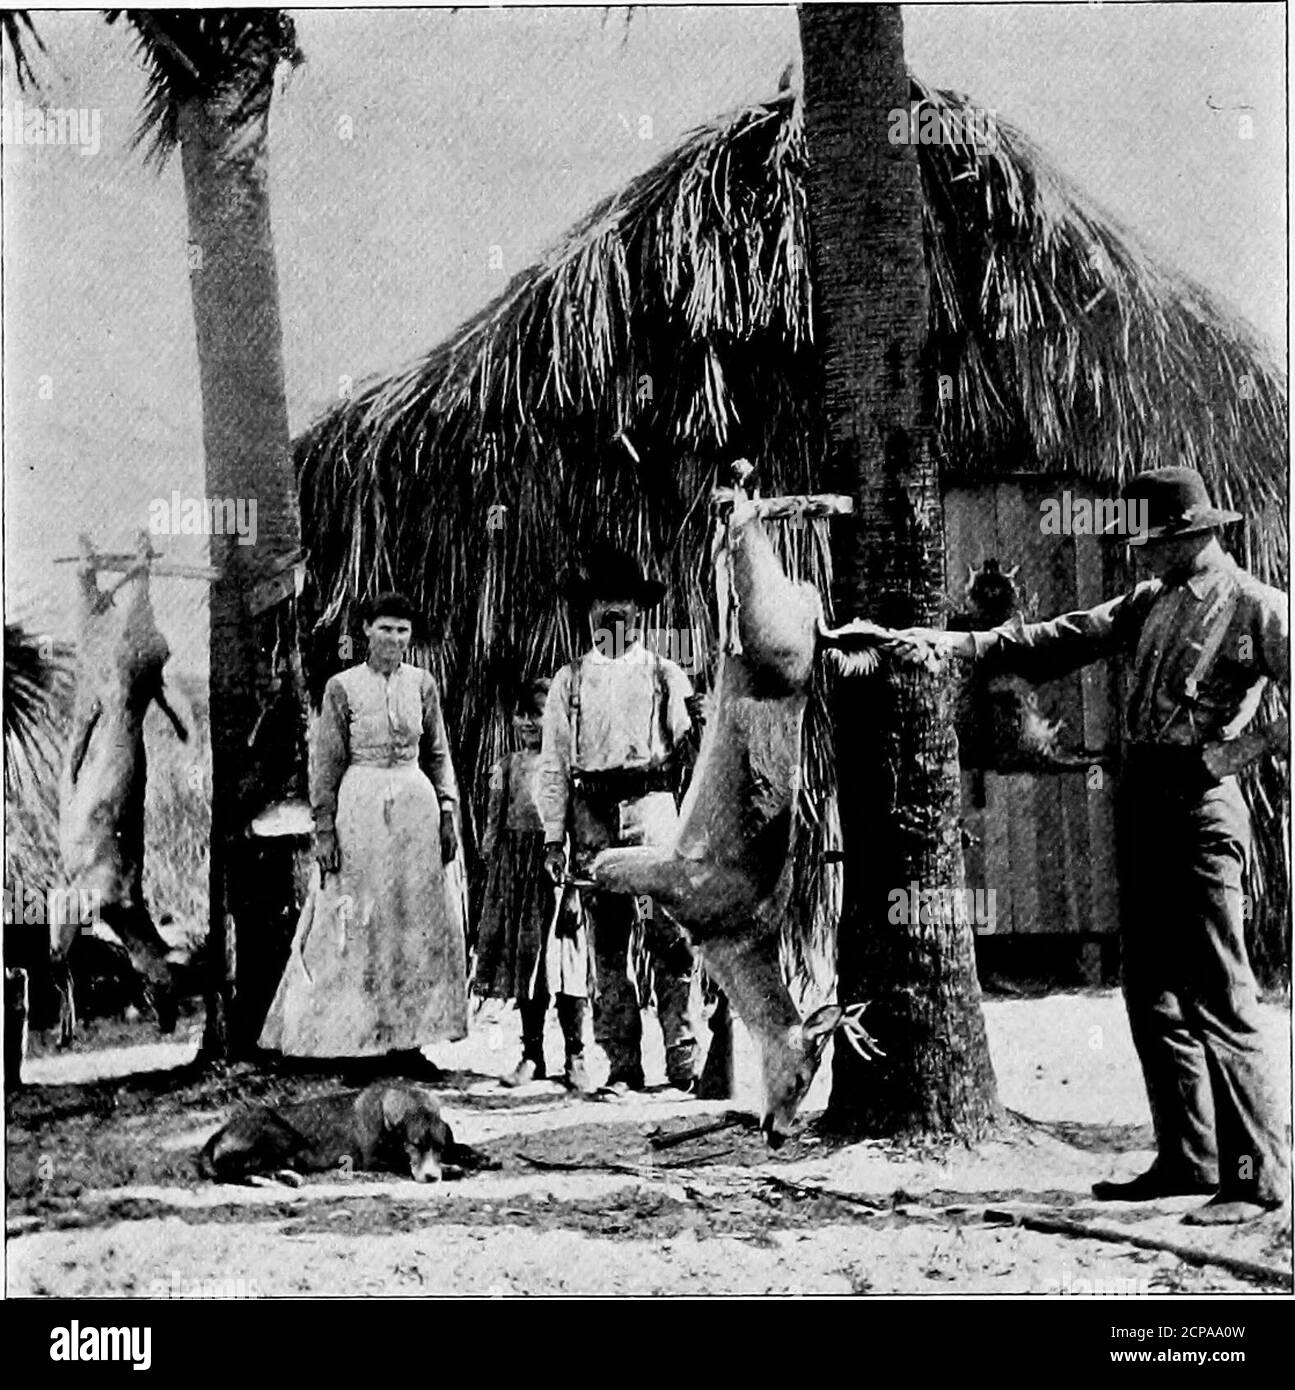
(378, 962)
(524, 950)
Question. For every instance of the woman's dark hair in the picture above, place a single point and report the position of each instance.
(390, 604)
(531, 696)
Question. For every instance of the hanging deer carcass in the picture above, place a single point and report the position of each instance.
(119, 661)
(725, 877)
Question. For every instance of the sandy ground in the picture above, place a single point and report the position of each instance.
(103, 1200)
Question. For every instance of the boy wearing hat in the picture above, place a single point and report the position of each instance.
(1203, 637)
(616, 721)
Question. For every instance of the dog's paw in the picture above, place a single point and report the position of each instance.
(465, 1159)
(284, 1177)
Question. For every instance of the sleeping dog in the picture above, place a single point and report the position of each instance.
(384, 1128)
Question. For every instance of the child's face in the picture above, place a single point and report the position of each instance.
(528, 728)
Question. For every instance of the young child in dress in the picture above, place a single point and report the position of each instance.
(525, 950)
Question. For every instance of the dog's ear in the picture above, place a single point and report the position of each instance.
(396, 1105)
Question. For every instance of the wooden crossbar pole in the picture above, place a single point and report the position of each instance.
(810, 505)
(118, 562)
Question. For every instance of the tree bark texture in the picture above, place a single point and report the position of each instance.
(897, 753)
(257, 714)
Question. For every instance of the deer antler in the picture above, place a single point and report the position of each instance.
(857, 1035)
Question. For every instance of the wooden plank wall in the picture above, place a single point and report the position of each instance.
(1044, 843)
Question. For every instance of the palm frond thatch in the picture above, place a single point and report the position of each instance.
(37, 692)
(673, 329)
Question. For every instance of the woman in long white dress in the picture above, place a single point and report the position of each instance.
(378, 963)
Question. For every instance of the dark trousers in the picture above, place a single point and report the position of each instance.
(618, 1025)
(1191, 995)
(612, 920)
(571, 1015)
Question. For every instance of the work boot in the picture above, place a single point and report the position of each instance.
(571, 1015)
(620, 1082)
(681, 1066)
(531, 1067)
(526, 1071)
(1230, 1211)
(1153, 1186)
(575, 1077)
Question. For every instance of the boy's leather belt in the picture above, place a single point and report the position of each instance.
(623, 783)
(1173, 767)
(1166, 754)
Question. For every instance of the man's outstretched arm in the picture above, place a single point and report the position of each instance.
(1045, 651)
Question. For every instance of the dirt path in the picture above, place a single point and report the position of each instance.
(102, 1199)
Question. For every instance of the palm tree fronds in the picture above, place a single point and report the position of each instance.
(37, 695)
(19, 36)
(229, 56)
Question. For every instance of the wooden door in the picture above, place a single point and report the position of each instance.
(1044, 842)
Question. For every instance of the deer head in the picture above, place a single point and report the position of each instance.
(748, 969)
(789, 1070)
(790, 1062)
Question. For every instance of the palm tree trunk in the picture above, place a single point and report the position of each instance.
(247, 448)
(897, 755)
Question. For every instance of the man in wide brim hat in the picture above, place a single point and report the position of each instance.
(617, 723)
(1201, 639)
(612, 573)
(1167, 504)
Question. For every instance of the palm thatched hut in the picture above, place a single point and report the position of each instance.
(673, 330)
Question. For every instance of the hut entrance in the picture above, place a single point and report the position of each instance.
(1043, 841)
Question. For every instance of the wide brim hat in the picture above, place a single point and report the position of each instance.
(1177, 504)
(609, 572)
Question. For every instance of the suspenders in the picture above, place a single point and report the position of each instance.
(577, 670)
(656, 719)
(1217, 622)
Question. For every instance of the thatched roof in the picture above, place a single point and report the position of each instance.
(680, 313)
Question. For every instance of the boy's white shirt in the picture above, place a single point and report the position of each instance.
(616, 725)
